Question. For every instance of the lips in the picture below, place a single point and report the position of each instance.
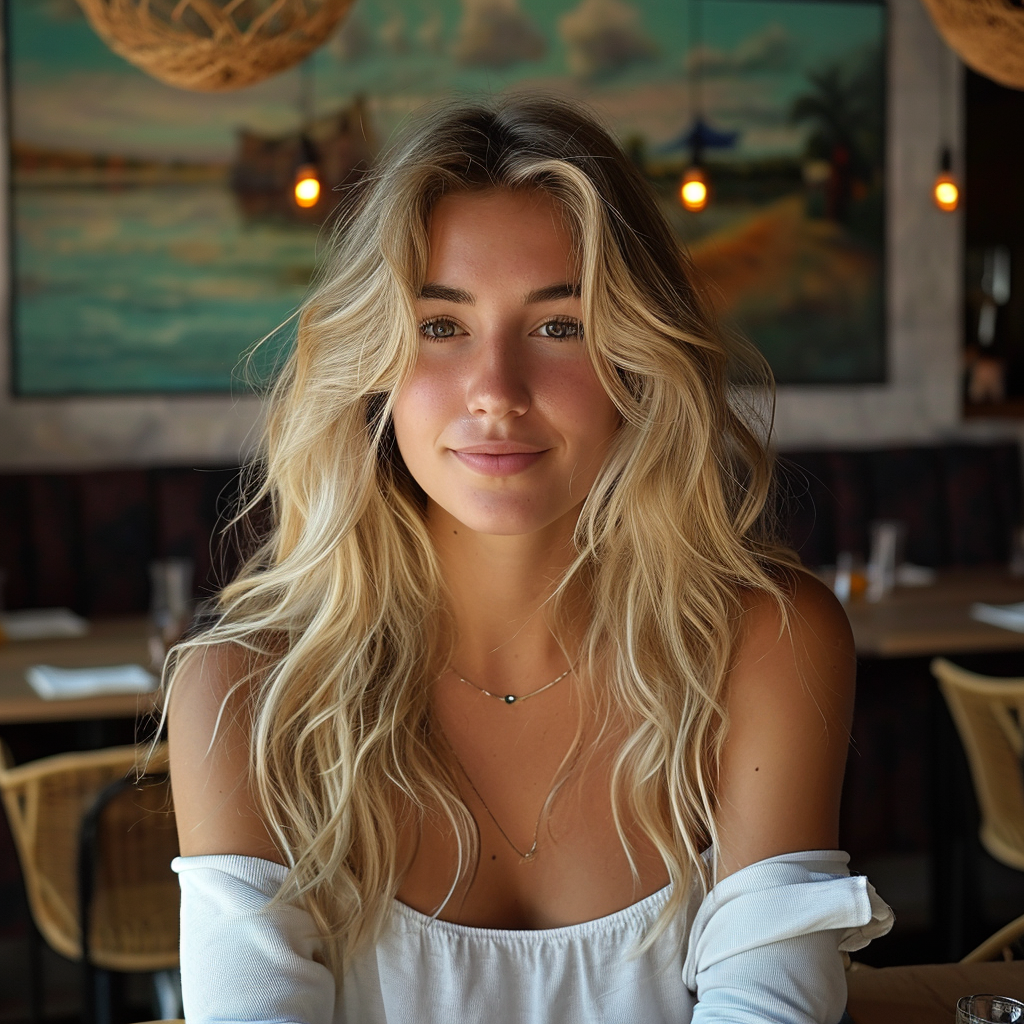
(494, 462)
(500, 448)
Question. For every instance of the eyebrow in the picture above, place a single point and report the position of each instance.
(442, 291)
(548, 294)
(553, 291)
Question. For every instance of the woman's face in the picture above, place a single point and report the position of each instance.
(503, 424)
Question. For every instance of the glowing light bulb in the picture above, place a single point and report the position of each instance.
(307, 187)
(694, 190)
(945, 192)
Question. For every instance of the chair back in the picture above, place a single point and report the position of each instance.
(989, 716)
(1004, 945)
(133, 921)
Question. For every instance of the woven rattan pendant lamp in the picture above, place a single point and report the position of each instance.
(213, 45)
(987, 35)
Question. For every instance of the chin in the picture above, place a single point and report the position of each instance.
(497, 521)
(501, 526)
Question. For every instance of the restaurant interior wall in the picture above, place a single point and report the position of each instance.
(919, 402)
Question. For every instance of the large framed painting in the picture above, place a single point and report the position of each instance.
(156, 238)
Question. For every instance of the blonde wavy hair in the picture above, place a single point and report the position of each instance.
(343, 608)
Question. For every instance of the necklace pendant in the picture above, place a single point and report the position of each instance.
(529, 855)
(510, 698)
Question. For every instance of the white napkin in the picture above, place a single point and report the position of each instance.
(910, 575)
(42, 624)
(64, 683)
(1009, 616)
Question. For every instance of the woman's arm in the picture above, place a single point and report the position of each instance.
(767, 940)
(789, 698)
(209, 730)
(245, 957)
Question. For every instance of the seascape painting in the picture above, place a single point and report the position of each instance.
(156, 240)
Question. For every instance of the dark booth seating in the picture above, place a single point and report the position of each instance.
(961, 502)
(84, 539)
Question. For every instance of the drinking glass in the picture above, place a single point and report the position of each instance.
(1017, 551)
(989, 1009)
(170, 604)
(850, 581)
(887, 536)
(844, 576)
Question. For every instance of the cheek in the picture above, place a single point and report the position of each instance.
(583, 404)
(419, 408)
(404, 419)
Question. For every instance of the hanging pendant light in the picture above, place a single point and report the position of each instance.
(693, 190)
(946, 191)
(988, 35)
(306, 186)
(306, 183)
(214, 45)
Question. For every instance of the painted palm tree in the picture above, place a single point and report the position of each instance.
(845, 111)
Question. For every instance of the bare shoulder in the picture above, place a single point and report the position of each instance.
(801, 652)
(209, 723)
(789, 700)
(206, 674)
(813, 617)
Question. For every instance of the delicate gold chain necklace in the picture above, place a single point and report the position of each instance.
(525, 854)
(511, 698)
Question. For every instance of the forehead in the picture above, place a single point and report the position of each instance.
(517, 233)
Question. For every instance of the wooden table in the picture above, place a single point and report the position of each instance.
(926, 994)
(923, 621)
(108, 642)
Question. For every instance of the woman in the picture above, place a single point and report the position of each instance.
(518, 714)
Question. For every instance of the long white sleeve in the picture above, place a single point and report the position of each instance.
(241, 959)
(766, 943)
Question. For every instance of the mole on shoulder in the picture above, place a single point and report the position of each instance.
(494, 856)
(757, 769)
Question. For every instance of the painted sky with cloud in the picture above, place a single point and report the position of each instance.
(497, 34)
(629, 57)
(604, 38)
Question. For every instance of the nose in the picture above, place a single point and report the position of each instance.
(497, 384)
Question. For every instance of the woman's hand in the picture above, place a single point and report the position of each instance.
(789, 697)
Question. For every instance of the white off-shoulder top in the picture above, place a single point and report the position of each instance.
(764, 945)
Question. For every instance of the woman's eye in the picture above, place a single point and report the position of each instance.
(569, 328)
(440, 328)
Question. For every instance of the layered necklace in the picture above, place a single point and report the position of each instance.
(509, 698)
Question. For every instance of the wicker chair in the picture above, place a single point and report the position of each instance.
(95, 845)
(989, 715)
(1006, 944)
